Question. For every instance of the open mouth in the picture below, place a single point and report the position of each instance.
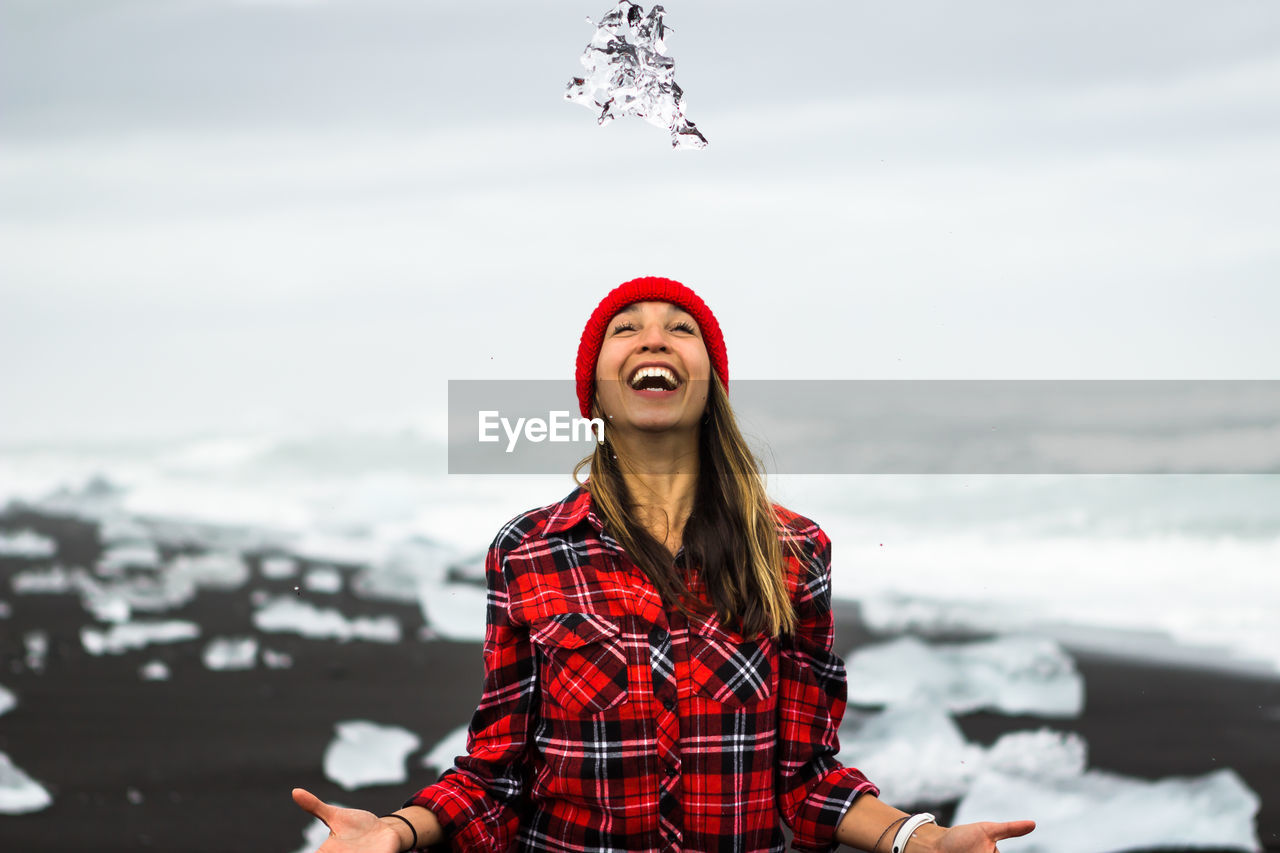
(654, 378)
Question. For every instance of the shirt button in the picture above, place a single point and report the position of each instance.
(669, 704)
(671, 771)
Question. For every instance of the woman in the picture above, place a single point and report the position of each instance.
(658, 666)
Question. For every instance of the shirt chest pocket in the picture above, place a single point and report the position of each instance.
(583, 662)
(728, 668)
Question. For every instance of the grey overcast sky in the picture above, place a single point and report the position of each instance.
(222, 215)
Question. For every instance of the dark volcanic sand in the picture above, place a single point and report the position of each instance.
(213, 755)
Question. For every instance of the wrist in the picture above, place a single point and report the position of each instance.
(926, 839)
(396, 827)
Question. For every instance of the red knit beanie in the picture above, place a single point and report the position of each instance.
(647, 289)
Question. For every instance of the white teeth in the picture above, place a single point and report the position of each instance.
(664, 373)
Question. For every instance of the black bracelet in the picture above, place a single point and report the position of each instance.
(407, 823)
(878, 840)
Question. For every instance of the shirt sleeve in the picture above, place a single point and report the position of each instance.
(478, 800)
(814, 790)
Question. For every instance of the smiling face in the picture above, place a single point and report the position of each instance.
(653, 369)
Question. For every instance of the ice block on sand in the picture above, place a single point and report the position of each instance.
(1011, 675)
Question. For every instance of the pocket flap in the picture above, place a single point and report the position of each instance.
(573, 630)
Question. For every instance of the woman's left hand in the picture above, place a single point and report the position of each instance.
(979, 837)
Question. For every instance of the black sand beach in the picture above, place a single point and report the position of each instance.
(204, 761)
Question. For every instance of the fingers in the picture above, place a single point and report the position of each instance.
(1012, 829)
(311, 803)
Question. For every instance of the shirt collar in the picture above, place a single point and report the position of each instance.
(573, 509)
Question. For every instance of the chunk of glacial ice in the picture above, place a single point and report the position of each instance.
(213, 569)
(916, 754)
(19, 793)
(37, 643)
(407, 564)
(629, 74)
(288, 615)
(449, 747)
(279, 568)
(231, 653)
(1097, 810)
(55, 580)
(1015, 674)
(365, 753)
(325, 580)
(454, 611)
(133, 554)
(1043, 753)
(119, 639)
(7, 700)
(27, 544)
(154, 670)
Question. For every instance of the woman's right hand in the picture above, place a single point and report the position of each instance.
(350, 830)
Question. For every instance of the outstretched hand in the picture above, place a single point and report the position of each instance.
(981, 837)
(350, 830)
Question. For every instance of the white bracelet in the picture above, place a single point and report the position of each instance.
(904, 835)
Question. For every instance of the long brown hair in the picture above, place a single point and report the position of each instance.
(731, 536)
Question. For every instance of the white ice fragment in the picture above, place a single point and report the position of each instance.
(276, 660)
(325, 580)
(348, 548)
(1097, 809)
(19, 793)
(27, 544)
(1012, 675)
(286, 614)
(214, 569)
(7, 700)
(279, 568)
(231, 653)
(1042, 754)
(55, 580)
(470, 570)
(365, 753)
(37, 643)
(455, 611)
(629, 74)
(5, 610)
(449, 747)
(121, 527)
(916, 754)
(106, 605)
(132, 554)
(154, 670)
(136, 635)
(134, 796)
(407, 564)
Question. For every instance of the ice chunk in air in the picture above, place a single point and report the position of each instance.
(629, 74)
(365, 753)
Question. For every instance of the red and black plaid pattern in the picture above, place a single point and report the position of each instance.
(609, 723)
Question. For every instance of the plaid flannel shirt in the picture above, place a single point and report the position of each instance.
(609, 722)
